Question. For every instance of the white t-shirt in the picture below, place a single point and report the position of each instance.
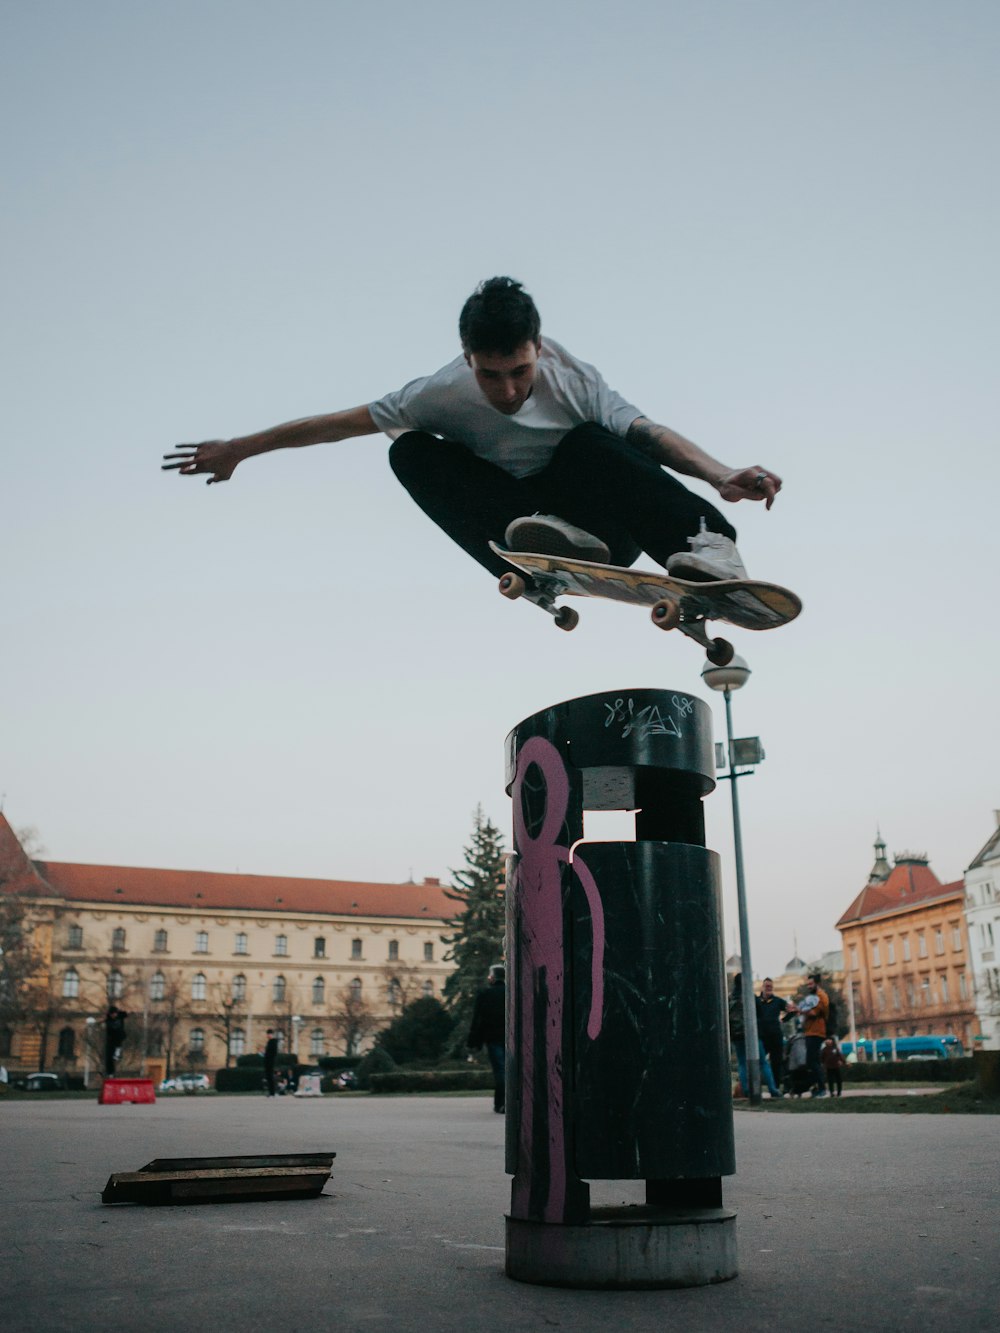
(450, 403)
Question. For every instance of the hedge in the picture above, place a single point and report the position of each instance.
(335, 1063)
(432, 1080)
(910, 1071)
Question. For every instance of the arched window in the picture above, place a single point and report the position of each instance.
(160, 941)
(393, 992)
(356, 989)
(197, 1043)
(157, 986)
(281, 945)
(67, 1044)
(319, 990)
(238, 1042)
(74, 939)
(239, 987)
(393, 951)
(118, 938)
(71, 984)
(241, 942)
(319, 947)
(316, 1042)
(429, 952)
(201, 941)
(279, 990)
(428, 987)
(198, 986)
(116, 984)
(355, 948)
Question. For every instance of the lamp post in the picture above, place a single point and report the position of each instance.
(728, 678)
(297, 1021)
(88, 1038)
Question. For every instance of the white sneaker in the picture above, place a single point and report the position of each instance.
(712, 556)
(545, 534)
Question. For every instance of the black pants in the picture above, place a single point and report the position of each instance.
(835, 1082)
(774, 1045)
(498, 1062)
(813, 1047)
(269, 1079)
(594, 479)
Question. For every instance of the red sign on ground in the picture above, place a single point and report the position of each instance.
(118, 1090)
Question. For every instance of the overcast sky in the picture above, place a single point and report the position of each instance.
(773, 226)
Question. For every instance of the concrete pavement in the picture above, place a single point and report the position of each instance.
(845, 1222)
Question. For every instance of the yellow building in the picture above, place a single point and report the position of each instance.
(205, 963)
(906, 953)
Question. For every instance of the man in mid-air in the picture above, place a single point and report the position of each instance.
(518, 442)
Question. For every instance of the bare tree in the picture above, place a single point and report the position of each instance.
(228, 1012)
(351, 1018)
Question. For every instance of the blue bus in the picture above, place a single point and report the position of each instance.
(927, 1047)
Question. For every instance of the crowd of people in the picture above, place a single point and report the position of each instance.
(797, 1040)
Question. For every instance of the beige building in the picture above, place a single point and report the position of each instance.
(205, 963)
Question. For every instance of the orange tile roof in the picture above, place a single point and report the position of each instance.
(909, 885)
(204, 890)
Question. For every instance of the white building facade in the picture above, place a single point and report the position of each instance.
(982, 914)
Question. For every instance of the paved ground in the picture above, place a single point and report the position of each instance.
(845, 1222)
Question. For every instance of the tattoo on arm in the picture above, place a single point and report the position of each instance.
(645, 436)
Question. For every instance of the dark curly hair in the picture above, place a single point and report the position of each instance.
(498, 317)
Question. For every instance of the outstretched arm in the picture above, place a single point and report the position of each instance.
(672, 450)
(221, 457)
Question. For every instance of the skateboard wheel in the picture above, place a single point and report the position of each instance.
(721, 652)
(512, 586)
(666, 615)
(566, 618)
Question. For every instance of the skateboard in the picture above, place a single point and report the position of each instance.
(682, 604)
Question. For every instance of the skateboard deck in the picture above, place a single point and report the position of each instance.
(681, 604)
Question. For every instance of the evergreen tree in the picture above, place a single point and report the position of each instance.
(478, 926)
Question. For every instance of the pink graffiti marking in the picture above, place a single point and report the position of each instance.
(540, 949)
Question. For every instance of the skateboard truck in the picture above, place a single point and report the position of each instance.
(513, 586)
(668, 615)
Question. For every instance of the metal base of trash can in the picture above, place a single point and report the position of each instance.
(626, 1248)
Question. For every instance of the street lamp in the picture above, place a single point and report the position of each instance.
(87, 1040)
(297, 1021)
(728, 678)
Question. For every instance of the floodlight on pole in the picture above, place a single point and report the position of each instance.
(727, 678)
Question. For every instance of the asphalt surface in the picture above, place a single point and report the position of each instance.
(845, 1222)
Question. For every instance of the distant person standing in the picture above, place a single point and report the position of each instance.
(771, 1009)
(270, 1057)
(815, 1009)
(489, 1029)
(737, 1035)
(114, 1038)
(832, 1060)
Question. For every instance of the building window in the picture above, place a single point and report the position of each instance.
(157, 986)
(238, 1042)
(394, 951)
(956, 935)
(281, 946)
(393, 992)
(943, 983)
(160, 942)
(963, 988)
(319, 990)
(890, 951)
(197, 1043)
(355, 948)
(880, 997)
(911, 995)
(906, 948)
(118, 938)
(319, 947)
(239, 987)
(854, 955)
(926, 997)
(198, 986)
(921, 945)
(938, 940)
(74, 939)
(241, 942)
(116, 984)
(876, 958)
(67, 1044)
(278, 991)
(428, 987)
(429, 952)
(316, 1042)
(356, 989)
(71, 984)
(895, 995)
(201, 942)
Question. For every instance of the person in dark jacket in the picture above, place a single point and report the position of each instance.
(489, 1029)
(114, 1038)
(270, 1057)
(771, 1009)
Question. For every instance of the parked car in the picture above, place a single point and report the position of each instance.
(194, 1082)
(41, 1083)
